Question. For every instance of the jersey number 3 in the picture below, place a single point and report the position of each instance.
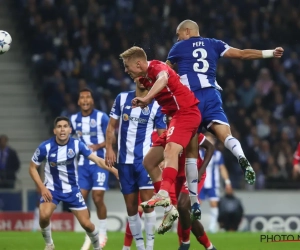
(201, 55)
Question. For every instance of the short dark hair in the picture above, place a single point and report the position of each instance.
(61, 118)
(86, 90)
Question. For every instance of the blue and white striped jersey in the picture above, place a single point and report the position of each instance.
(61, 163)
(135, 127)
(91, 130)
(212, 179)
(197, 59)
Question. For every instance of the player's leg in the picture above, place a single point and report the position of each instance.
(151, 161)
(213, 195)
(146, 191)
(100, 185)
(46, 211)
(129, 189)
(77, 205)
(83, 217)
(214, 119)
(191, 173)
(85, 183)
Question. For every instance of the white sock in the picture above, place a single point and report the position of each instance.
(191, 172)
(135, 226)
(209, 248)
(150, 221)
(234, 146)
(46, 232)
(125, 248)
(36, 216)
(214, 212)
(94, 236)
(102, 227)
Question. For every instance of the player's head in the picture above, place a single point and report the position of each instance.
(135, 61)
(211, 138)
(139, 85)
(62, 128)
(187, 29)
(3, 141)
(85, 100)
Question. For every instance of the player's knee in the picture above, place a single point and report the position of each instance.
(98, 198)
(171, 151)
(44, 219)
(148, 163)
(132, 209)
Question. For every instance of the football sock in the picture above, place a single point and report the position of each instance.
(46, 232)
(150, 221)
(128, 235)
(102, 227)
(234, 146)
(191, 172)
(94, 236)
(136, 230)
(214, 212)
(204, 241)
(157, 186)
(168, 178)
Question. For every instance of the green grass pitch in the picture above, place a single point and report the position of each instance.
(73, 241)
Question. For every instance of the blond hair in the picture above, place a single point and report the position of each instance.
(134, 52)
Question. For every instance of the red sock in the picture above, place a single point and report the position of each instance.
(157, 186)
(128, 235)
(179, 232)
(204, 241)
(168, 178)
(186, 234)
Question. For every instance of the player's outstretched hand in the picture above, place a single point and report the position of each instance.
(278, 52)
(140, 102)
(46, 194)
(110, 157)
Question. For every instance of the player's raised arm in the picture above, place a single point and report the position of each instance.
(209, 151)
(252, 54)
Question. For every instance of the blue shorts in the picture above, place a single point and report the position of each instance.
(210, 107)
(92, 177)
(211, 193)
(133, 177)
(74, 200)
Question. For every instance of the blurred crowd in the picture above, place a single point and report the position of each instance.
(74, 44)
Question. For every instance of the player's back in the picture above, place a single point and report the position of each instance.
(197, 59)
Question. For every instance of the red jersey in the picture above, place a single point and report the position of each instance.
(297, 156)
(181, 161)
(174, 95)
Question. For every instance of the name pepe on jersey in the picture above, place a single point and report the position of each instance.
(197, 59)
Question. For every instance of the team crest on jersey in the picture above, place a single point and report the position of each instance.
(125, 117)
(70, 153)
(52, 164)
(146, 111)
(93, 123)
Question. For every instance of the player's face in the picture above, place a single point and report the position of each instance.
(62, 131)
(133, 67)
(182, 34)
(85, 101)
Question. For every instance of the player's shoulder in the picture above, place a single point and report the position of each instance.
(126, 93)
(99, 112)
(47, 143)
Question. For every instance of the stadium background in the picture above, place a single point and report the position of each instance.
(60, 46)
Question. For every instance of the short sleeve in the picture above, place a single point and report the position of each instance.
(173, 54)
(104, 123)
(160, 120)
(201, 139)
(221, 47)
(84, 150)
(39, 155)
(116, 109)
